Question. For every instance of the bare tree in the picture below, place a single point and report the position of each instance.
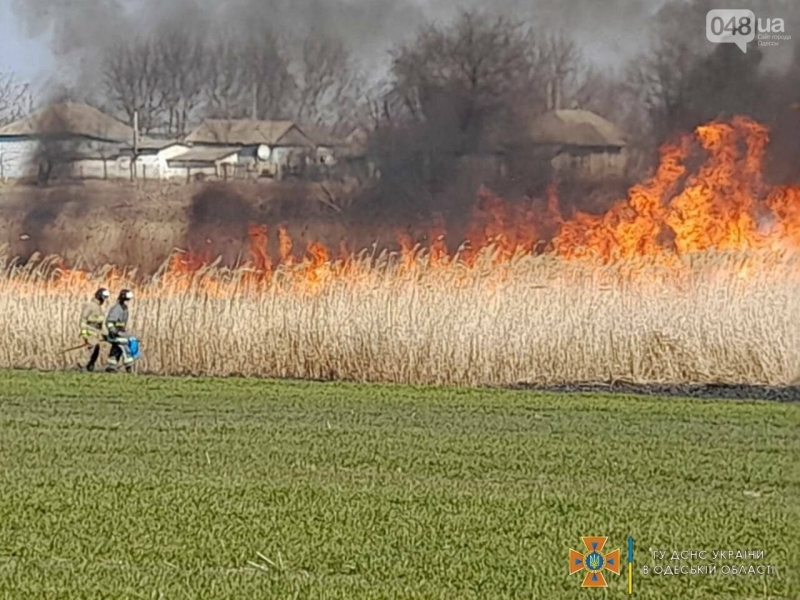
(134, 80)
(223, 79)
(475, 67)
(609, 93)
(559, 65)
(247, 74)
(16, 98)
(659, 79)
(454, 90)
(485, 72)
(244, 71)
(181, 57)
(328, 82)
(266, 73)
(659, 82)
(382, 105)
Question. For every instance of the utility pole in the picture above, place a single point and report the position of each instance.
(254, 115)
(557, 88)
(135, 142)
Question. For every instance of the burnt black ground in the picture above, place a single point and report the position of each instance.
(713, 391)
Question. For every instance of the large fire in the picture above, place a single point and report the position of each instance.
(721, 204)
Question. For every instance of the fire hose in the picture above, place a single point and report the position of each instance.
(133, 345)
(73, 348)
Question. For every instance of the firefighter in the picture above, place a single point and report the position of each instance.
(92, 318)
(117, 323)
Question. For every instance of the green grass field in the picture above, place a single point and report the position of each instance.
(143, 487)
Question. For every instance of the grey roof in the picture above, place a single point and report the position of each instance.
(205, 154)
(70, 118)
(150, 143)
(576, 128)
(322, 137)
(247, 132)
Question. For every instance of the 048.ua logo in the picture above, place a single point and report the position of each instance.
(594, 562)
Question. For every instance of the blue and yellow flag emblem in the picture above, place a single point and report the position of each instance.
(594, 562)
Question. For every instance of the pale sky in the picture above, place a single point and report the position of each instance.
(32, 60)
(27, 58)
(609, 31)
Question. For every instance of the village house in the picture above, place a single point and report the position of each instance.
(581, 143)
(152, 159)
(339, 156)
(202, 162)
(63, 140)
(76, 141)
(329, 147)
(266, 148)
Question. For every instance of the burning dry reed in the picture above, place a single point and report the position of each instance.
(705, 318)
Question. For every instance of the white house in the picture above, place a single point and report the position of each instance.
(153, 156)
(67, 139)
(194, 163)
(73, 140)
(265, 147)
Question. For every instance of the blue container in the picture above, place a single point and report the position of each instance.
(133, 346)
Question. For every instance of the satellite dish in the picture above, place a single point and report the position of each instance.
(264, 152)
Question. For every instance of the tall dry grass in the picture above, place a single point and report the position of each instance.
(713, 317)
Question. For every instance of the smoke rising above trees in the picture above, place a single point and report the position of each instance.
(451, 81)
(175, 76)
(465, 85)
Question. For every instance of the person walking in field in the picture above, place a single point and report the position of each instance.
(92, 318)
(117, 323)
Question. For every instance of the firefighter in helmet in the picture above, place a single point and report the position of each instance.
(92, 318)
(117, 323)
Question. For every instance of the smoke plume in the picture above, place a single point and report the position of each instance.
(644, 64)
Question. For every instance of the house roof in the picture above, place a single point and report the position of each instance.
(149, 143)
(246, 132)
(209, 155)
(322, 137)
(576, 128)
(69, 118)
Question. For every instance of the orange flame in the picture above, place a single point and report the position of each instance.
(722, 204)
(259, 247)
(284, 245)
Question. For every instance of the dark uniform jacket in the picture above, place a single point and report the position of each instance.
(117, 320)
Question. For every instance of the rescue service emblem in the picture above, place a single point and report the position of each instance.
(594, 562)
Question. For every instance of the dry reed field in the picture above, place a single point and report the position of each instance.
(693, 278)
(706, 318)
